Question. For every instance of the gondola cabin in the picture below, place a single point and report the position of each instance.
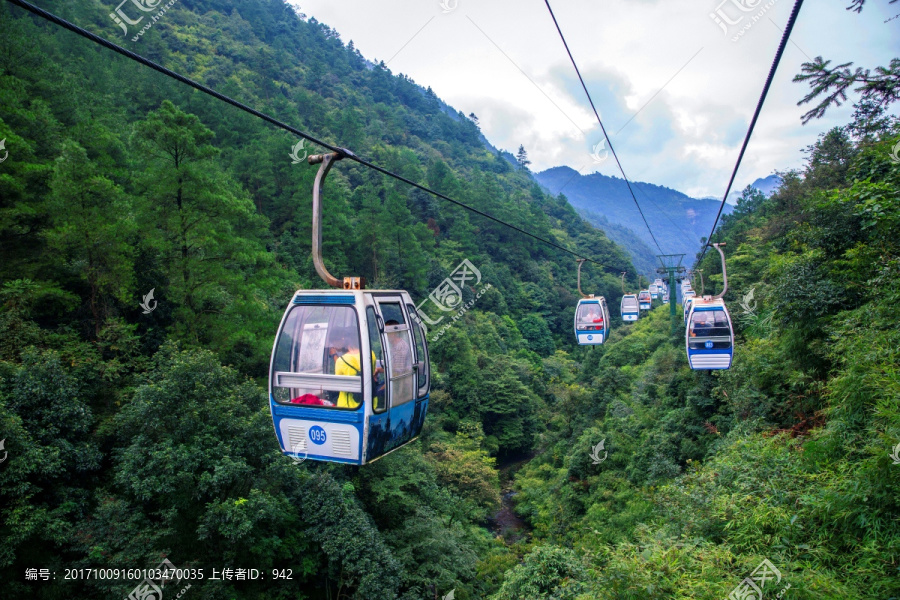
(592, 322)
(645, 300)
(665, 298)
(654, 291)
(709, 335)
(687, 309)
(630, 308)
(349, 376)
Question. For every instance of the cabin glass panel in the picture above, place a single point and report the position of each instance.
(400, 355)
(317, 358)
(590, 316)
(629, 304)
(421, 354)
(709, 325)
(379, 403)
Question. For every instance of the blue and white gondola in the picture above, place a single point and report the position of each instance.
(645, 300)
(709, 336)
(630, 308)
(709, 333)
(592, 321)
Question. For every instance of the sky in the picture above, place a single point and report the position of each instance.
(674, 91)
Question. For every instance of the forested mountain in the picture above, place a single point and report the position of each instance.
(137, 424)
(135, 427)
(678, 221)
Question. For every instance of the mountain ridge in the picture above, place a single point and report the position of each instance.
(678, 221)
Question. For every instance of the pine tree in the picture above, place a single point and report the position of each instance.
(522, 157)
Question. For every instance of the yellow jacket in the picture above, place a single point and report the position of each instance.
(349, 364)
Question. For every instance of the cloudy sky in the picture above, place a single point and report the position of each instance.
(675, 93)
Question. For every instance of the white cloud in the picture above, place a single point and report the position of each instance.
(687, 137)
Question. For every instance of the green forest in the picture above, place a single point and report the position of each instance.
(132, 436)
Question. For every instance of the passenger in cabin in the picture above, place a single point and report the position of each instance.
(591, 314)
(348, 364)
(700, 327)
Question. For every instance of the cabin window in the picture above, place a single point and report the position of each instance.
(630, 304)
(709, 325)
(317, 358)
(379, 377)
(399, 353)
(590, 316)
(422, 371)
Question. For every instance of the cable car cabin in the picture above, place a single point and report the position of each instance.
(592, 322)
(654, 291)
(630, 308)
(665, 298)
(709, 336)
(645, 300)
(687, 309)
(688, 295)
(349, 377)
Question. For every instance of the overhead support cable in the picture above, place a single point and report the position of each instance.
(599, 120)
(762, 99)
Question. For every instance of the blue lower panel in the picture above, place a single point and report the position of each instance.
(710, 359)
(306, 433)
(590, 337)
(392, 429)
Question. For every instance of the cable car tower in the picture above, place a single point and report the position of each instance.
(670, 266)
